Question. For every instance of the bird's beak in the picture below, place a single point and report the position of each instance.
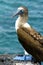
(17, 13)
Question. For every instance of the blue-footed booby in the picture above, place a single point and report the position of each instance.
(30, 39)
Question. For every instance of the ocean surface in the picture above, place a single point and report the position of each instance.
(9, 43)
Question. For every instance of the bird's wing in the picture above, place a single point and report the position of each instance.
(30, 43)
(36, 35)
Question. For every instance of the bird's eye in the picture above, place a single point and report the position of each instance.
(21, 11)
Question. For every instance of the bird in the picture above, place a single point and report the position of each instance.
(29, 38)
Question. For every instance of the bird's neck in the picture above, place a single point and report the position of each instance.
(21, 21)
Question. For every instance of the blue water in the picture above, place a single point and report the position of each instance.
(9, 43)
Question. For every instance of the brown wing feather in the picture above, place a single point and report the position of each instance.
(30, 44)
(34, 34)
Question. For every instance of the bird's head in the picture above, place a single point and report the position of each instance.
(23, 17)
(21, 11)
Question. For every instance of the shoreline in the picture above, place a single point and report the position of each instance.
(7, 59)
